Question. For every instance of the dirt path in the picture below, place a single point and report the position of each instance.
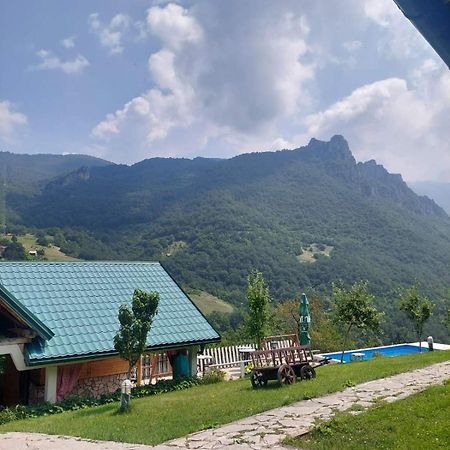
(262, 431)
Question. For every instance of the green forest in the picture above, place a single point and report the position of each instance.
(304, 218)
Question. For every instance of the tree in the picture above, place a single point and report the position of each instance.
(43, 240)
(446, 319)
(325, 335)
(286, 318)
(417, 307)
(135, 323)
(354, 309)
(15, 251)
(258, 305)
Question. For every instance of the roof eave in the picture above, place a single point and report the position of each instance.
(25, 314)
(88, 356)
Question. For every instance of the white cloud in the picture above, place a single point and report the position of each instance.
(399, 39)
(237, 76)
(10, 122)
(173, 25)
(68, 42)
(402, 125)
(110, 35)
(206, 84)
(380, 11)
(49, 61)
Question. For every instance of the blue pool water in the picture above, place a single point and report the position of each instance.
(390, 350)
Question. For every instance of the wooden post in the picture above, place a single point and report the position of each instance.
(139, 371)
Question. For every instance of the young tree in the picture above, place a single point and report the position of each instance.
(258, 305)
(354, 309)
(286, 318)
(135, 323)
(417, 307)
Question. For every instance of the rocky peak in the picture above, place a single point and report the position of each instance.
(335, 150)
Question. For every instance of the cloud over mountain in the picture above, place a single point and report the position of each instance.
(405, 124)
(207, 87)
(217, 78)
(234, 76)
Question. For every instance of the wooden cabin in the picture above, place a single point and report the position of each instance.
(58, 320)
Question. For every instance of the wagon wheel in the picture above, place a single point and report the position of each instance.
(307, 372)
(286, 374)
(257, 380)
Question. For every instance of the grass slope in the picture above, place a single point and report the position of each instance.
(159, 418)
(418, 422)
(311, 252)
(208, 303)
(52, 252)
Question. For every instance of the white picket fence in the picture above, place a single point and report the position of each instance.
(230, 356)
(223, 357)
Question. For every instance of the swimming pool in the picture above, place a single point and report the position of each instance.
(367, 353)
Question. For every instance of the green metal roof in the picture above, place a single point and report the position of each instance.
(25, 314)
(79, 301)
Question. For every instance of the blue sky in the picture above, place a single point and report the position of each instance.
(128, 80)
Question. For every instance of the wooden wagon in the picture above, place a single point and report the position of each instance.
(285, 364)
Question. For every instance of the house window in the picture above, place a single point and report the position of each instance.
(146, 367)
(163, 363)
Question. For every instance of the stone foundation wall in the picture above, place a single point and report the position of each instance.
(95, 387)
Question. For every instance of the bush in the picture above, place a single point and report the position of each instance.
(75, 403)
(213, 376)
(248, 368)
(42, 240)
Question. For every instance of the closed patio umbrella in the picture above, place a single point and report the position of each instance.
(305, 320)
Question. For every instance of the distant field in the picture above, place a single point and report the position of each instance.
(310, 251)
(52, 252)
(207, 303)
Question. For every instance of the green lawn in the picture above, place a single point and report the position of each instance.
(418, 422)
(162, 417)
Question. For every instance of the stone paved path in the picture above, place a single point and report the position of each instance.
(262, 431)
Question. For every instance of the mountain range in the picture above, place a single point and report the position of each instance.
(304, 217)
(27, 171)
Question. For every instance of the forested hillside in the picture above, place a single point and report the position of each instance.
(24, 172)
(304, 218)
